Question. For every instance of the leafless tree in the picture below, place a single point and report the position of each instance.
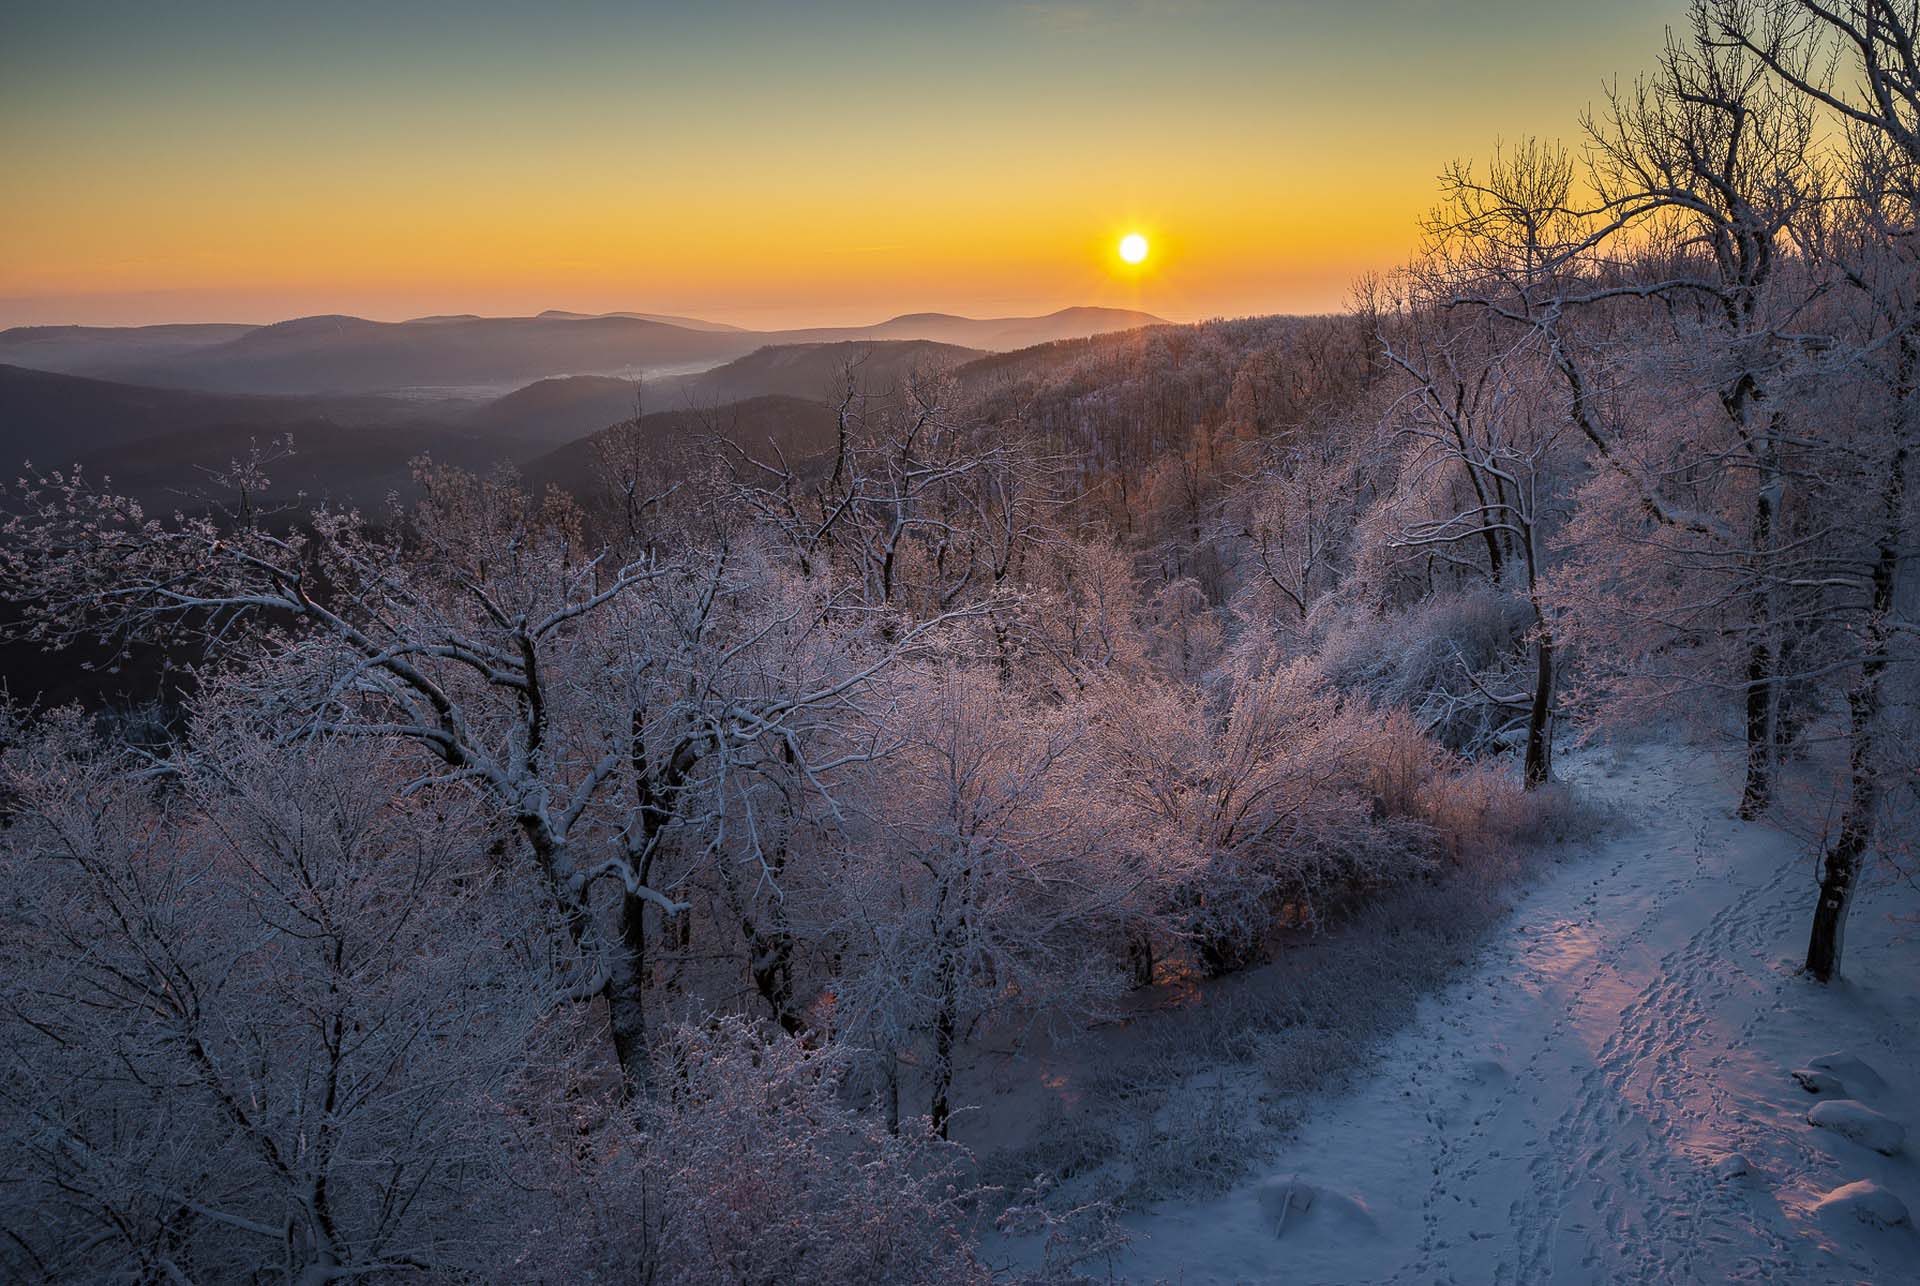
(607, 710)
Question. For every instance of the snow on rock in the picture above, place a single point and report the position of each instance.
(1815, 1081)
(1866, 1201)
(1296, 1206)
(1280, 1199)
(1732, 1166)
(1848, 1068)
(1854, 1120)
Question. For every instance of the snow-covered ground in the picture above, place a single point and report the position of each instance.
(1609, 1095)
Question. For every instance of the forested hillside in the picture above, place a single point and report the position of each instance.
(658, 861)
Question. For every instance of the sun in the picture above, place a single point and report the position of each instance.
(1133, 248)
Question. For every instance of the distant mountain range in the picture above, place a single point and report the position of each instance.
(995, 334)
(158, 410)
(162, 445)
(690, 323)
(351, 355)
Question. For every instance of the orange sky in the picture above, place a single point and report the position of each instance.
(765, 164)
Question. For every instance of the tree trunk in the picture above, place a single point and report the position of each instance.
(1756, 796)
(1794, 703)
(945, 1025)
(626, 994)
(1539, 765)
(1841, 871)
(770, 961)
(1841, 868)
(1140, 956)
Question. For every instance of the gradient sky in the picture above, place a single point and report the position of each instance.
(760, 163)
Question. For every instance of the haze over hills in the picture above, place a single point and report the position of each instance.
(690, 323)
(168, 407)
(81, 350)
(996, 334)
(338, 354)
(162, 445)
(353, 355)
(55, 419)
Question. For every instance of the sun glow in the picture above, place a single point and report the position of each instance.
(1133, 248)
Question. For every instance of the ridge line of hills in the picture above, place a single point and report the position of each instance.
(162, 444)
(338, 354)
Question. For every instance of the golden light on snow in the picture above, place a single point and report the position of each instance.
(1133, 248)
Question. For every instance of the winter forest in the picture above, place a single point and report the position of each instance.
(973, 833)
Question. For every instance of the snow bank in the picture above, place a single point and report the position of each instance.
(1866, 1201)
(1853, 1071)
(1815, 1081)
(1854, 1120)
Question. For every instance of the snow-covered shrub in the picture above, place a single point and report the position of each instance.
(1197, 1143)
(1401, 763)
(1481, 818)
(1442, 659)
(749, 1167)
(1087, 1233)
(1263, 808)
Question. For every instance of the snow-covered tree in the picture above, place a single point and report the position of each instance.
(608, 711)
(265, 1012)
(985, 888)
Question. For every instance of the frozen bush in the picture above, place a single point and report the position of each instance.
(1085, 1233)
(750, 1168)
(1197, 1144)
(1438, 659)
(1482, 819)
(1261, 812)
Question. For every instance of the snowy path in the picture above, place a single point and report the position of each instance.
(1565, 1114)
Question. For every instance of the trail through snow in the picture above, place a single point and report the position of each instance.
(1609, 1097)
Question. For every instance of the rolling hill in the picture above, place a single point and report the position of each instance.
(162, 441)
(81, 350)
(351, 355)
(161, 445)
(551, 412)
(55, 419)
(799, 426)
(993, 334)
(816, 371)
(352, 464)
